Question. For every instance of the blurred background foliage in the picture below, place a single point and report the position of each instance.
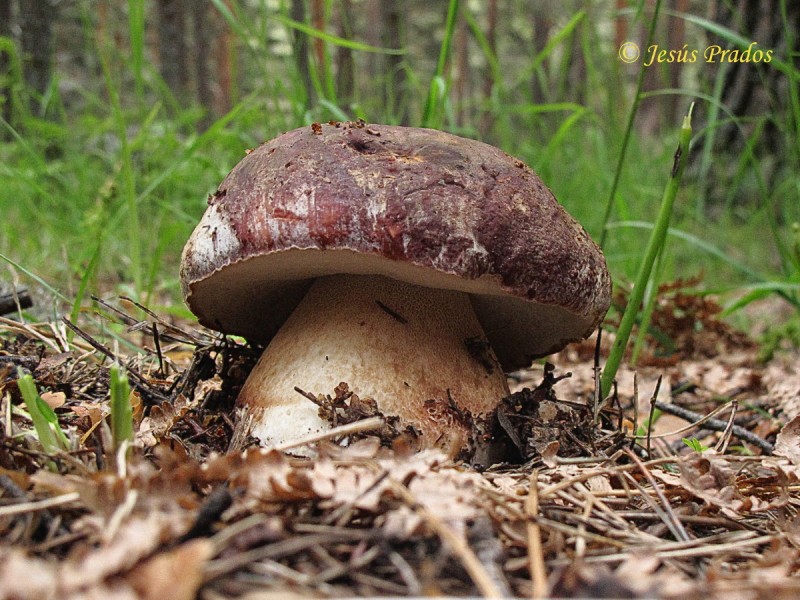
(119, 117)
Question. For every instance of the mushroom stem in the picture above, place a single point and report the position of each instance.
(410, 348)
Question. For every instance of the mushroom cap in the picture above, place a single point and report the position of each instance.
(417, 205)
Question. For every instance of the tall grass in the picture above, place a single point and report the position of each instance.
(102, 194)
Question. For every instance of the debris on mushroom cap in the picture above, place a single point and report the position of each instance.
(417, 205)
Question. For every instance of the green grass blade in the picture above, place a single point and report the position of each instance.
(335, 39)
(121, 409)
(45, 421)
(549, 47)
(437, 88)
(654, 245)
(88, 275)
(36, 278)
(651, 295)
(127, 172)
(740, 267)
(637, 98)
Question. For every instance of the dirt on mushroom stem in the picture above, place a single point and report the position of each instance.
(410, 348)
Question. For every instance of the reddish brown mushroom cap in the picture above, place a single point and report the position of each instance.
(418, 205)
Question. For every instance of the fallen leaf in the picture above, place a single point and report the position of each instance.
(177, 574)
(25, 576)
(787, 444)
(54, 399)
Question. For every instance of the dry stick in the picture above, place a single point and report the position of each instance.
(595, 499)
(703, 550)
(356, 427)
(635, 405)
(535, 552)
(617, 470)
(458, 546)
(406, 573)
(139, 382)
(597, 369)
(28, 507)
(652, 412)
(222, 566)
(272, 569)
(15, 301)
(25, 329)
(190, 338)
(157, 343)
(691, 425)
(676, 525)
(722, 445)
(569, 530)
(716, 425)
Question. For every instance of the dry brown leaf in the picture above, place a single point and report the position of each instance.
(787, 444)
(135, 539)
(94, 410)
(24, 576)
(177, 574)
(782, 381)
(714, 479)
(54, 399)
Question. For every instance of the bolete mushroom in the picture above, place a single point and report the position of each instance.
(412, 264)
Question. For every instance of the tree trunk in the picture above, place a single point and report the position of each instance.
(300, 47)
(223, 65)
(172, 47)
(676, 36)
(36, 23)
(755, 92)
(395, 98)
(318, 21)
(487, 118)
(461, 86)
(541, 26)
(5, 65)
(345, 65)
(202, 52)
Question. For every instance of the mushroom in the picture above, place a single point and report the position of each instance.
(414, 265)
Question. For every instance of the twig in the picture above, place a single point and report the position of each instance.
(652, 413)
(189, 337)
(222, 566)
(566, 483)
(597, 369)
(535, 553)
(716, 425)
(157, 344)
(635, 405)
(673, 523)
(308, 395)
(722, 445)
(27, 507)
(458, 546)
(357, 427)
(705, 549)
(15, 301)
(139, 381)
(26, 330)
(406, 573)
(691, 425)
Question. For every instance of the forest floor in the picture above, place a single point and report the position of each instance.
(578, 509)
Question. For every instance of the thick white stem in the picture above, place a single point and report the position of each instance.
(400, 344)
